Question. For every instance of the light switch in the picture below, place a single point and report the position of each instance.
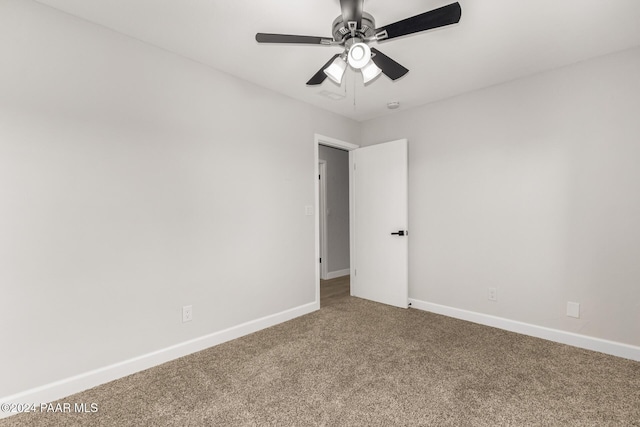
(308, 210)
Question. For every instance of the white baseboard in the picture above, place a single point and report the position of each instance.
(68, 386)
(338, 273)
(582, 341)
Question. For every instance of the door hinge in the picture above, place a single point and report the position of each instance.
(321, 260)
(318, 176)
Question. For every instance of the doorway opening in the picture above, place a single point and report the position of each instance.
(333, 218)
(334, 224)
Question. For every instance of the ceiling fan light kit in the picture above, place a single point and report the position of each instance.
(355, 29)
(359, 58)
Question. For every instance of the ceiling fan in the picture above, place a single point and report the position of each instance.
(355, 29)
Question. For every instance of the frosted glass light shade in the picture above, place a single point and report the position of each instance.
(359, 55)
(336, 70)
(370, 71)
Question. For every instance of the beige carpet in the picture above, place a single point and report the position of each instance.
(365, 364)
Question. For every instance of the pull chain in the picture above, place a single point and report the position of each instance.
(354, 92)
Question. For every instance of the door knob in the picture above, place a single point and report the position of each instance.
(399, 233)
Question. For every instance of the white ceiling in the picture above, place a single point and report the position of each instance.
(496, 41)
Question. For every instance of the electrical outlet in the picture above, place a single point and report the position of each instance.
(573, 309)
(187, 313)
(493, 294)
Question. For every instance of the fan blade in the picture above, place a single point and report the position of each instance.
(352, 12)
(319, 77)
(436, 18)
(288, 38)
(389, 67)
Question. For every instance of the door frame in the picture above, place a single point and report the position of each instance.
(322, 206)
(343, 145)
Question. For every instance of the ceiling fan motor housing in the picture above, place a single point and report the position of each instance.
(342, 34)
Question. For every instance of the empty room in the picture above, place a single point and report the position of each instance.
(324, 212)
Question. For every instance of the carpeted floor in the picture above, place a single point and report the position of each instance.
(360, 363)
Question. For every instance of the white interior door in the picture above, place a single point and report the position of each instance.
(379, 208)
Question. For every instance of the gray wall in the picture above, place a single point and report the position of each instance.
(338, 206)
(531, 187)
(116, 207)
